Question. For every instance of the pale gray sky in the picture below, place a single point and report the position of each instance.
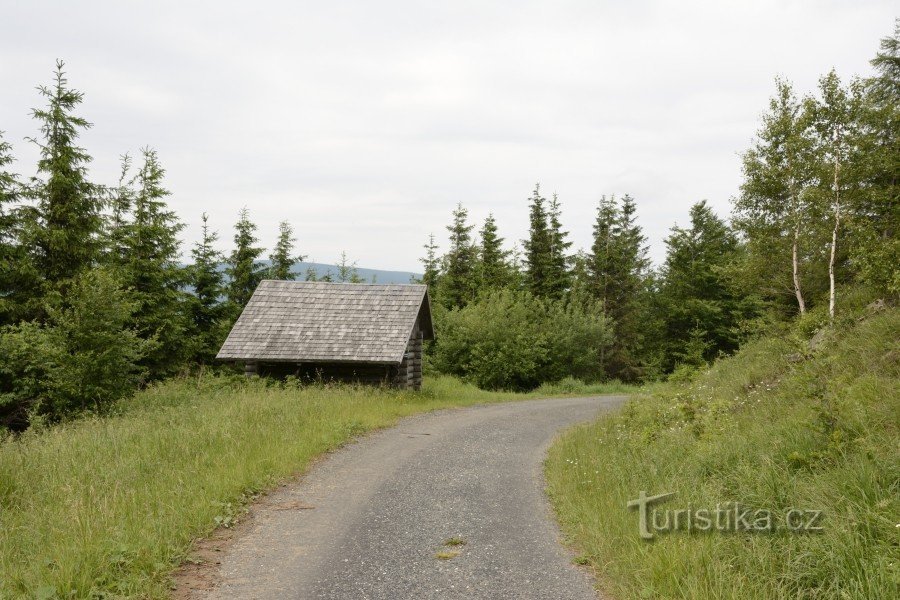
(364, 123)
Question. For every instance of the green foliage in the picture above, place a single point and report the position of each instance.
(458, 281)
(875, 216)
(208, 323)
(431, 266)
(616, 276)
(63, 226)
(538, 245)
(85, 357)
(243, 271)
(775, 210)
(347, 272)
(145, 259)
(513, 340)
(546, 262)
(493, 269)
(764, 429)
(18, 278)
(559, 279)
(697, 306)
(282, 258)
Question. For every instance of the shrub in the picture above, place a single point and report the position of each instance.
(510, 340)
(83, 358)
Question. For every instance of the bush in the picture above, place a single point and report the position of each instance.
(515, 341)
(84, 358)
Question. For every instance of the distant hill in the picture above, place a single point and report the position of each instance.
(322, 269)
(380, 276)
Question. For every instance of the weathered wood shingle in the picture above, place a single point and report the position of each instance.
(300, 321)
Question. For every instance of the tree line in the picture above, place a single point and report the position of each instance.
(818, 210)
(94, 301)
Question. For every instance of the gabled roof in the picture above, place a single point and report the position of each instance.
(305, 321)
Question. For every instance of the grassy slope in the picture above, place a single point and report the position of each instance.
(112, 504)
(769, 432)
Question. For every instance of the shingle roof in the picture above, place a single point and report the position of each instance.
(302, 321)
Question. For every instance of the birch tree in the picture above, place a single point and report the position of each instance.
(833, 117)
(772, 208)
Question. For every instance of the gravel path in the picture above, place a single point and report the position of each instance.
(370, 520)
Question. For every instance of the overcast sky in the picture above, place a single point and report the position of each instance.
(364, 123)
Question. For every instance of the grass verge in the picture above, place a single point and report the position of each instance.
(776, 426)
(107, 507)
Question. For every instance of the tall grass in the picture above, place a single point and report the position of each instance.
(773, 427)
(106, 507)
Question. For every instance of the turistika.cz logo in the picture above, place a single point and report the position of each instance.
(725, 517)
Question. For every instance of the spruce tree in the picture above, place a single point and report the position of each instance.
(458, 281)
(538, 247)
(151, 272)
(493, 260)
(697, 304)
(121, 205)
(875, 220)
(282, 259)
(243, 270)
(67, 222)
(628, 306)
(347, 271)
(16, 275)
(559, 277)
(431, 266)
(617, 267)
(207, 309)
(601, 260)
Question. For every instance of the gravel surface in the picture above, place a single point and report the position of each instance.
(371, 520)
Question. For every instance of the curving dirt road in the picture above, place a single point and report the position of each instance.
(371, 519)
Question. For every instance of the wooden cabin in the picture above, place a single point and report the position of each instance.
(355, 332)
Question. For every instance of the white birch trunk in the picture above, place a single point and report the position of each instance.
(795, 260)
(834, 232)
(795, 263)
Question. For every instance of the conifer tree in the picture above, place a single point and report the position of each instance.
(282, 258)
(150, 270)
(431, 266)
(458, 281)
(875, 220)
(617, 268)
(697, 305)
(559, 277)
(627, 360)
(207, 309)
(67, 221)
(347, 271)
(493, 260)
(243, 270)
(121, 204)
(538, 247)
(601, 260)
(14, 264)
